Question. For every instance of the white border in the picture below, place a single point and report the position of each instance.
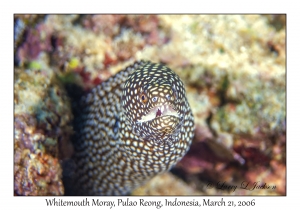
(8, 8)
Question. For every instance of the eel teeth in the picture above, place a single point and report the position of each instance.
(159, 112)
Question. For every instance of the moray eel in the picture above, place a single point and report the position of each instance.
(134, 126)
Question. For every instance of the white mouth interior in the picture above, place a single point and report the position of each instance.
(159, 112)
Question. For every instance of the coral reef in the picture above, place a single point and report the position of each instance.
(233, 67)
(42, 120)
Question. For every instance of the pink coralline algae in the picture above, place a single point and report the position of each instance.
(36, 172)
(35, 42)
(41, 132)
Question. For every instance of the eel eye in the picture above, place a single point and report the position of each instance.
(154, 99)
(143, 98)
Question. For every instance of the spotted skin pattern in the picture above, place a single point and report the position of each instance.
(134, 126)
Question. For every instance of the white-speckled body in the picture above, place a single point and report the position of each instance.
(135, 125)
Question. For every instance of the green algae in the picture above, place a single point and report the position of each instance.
(35, 65)
(74, 63)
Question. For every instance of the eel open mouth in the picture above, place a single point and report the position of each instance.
(159, 111)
